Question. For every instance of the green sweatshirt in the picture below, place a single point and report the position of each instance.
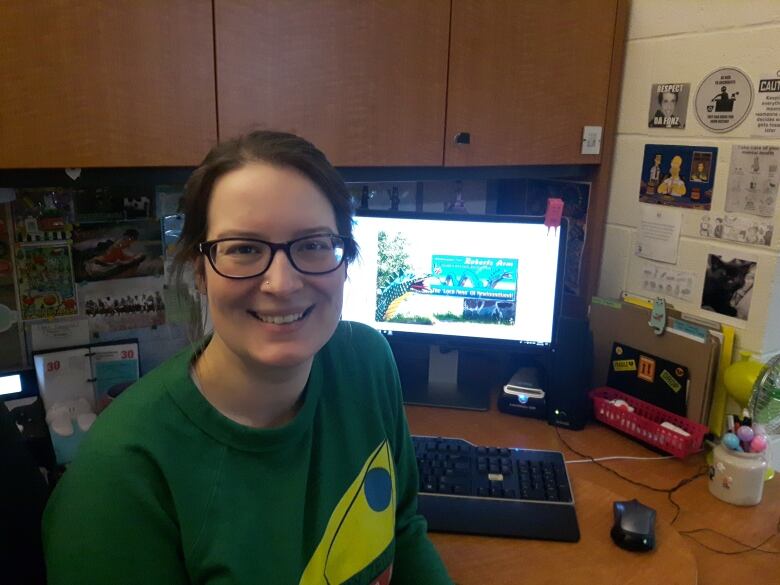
(166, 490)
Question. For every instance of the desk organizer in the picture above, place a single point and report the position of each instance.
(645, 422)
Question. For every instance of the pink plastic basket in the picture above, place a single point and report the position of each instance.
(645, 422)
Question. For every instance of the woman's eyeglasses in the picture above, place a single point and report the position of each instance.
(248, 257)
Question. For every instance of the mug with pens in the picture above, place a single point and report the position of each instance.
(739, 462)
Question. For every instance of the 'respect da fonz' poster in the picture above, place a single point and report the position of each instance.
(668, 105)
(681, 176)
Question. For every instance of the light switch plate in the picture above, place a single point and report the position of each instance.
(591, 140)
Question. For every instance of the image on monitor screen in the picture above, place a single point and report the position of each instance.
(492, 278)
(10, 385)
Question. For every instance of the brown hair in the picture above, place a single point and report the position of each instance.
(265, 146)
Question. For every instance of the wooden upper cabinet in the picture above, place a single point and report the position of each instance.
(96, 83)
(525, 77)
(364, 80)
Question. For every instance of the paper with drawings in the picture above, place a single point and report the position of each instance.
(753, 180)
(668, 282)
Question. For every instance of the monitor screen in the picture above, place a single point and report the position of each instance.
(18, 384)
(477, 278)
(10, 385)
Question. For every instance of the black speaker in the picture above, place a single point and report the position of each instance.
(569, 375)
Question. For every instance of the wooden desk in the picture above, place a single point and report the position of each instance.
(678, 558)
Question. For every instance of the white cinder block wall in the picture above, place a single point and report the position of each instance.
(683, 41)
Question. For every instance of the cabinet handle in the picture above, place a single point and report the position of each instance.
(463, 138)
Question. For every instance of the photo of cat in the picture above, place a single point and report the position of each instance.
(728, 286)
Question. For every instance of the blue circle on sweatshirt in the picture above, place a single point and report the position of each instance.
(378, 488)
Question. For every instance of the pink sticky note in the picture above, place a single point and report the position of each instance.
(552, 217)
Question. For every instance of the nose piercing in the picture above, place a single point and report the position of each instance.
(267, 283)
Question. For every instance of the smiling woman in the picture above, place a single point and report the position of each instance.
(276, 449)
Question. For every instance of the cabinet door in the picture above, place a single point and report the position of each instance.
(364, 80)
(94, 83)
(525, 77)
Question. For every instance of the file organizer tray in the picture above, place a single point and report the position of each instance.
(645, 422)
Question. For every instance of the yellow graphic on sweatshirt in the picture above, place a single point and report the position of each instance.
(361, 526)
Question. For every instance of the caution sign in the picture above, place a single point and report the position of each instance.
(767, 111)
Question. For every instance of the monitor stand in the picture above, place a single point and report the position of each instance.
(444, 377)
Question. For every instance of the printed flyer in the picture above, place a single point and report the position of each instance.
(767, 110)
(43, 215)
(753, 180)
(46, 286)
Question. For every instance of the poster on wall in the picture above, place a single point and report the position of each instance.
(659, 280)
(753, 180)
(745, 230)
(728, 286)
(43, 215)
(126, 249)
(118, 305)
(668, 105)
(723, 99)
(766, 113)
(45, 278)
(11, 356)
(681, 176)
(658, 235)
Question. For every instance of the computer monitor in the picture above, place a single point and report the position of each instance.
(455, 284)
(18, 384)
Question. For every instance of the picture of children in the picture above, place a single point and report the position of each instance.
(118, 250)
(117, 257)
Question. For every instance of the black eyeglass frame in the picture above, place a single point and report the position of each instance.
(206, 246)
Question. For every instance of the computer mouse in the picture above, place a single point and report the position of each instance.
(634, 527)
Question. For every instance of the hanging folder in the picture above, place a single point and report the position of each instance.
(619, 322)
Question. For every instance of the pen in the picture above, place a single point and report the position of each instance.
(730, 423)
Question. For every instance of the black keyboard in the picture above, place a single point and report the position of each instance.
(495, 491)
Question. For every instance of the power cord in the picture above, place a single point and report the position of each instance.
(669, 492)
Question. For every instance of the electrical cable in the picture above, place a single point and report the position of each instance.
(669, 492)
(618, 457)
